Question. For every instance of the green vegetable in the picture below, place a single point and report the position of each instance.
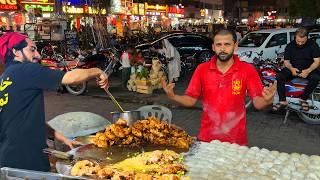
(180, 173)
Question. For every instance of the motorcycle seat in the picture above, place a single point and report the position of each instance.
(300, 81)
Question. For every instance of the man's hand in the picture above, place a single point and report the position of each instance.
(304, 73)
(294, 71)
(102, 80)
(168, 88)
(269, 92)
(65, 140)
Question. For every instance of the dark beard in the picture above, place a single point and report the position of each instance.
(224, 57)
(300, 46)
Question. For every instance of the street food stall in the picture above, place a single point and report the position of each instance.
(154, 149)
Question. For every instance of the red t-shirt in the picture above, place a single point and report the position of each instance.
(223, 99)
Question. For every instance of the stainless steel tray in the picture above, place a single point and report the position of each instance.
(22, 174)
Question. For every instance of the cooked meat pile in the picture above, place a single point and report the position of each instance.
(150, 130)
(155, 165)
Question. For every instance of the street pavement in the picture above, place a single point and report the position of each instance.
(265, 130)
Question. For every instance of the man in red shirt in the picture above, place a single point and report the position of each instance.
(223, 83)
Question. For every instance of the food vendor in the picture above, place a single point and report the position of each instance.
(223, 83)
(22, 118)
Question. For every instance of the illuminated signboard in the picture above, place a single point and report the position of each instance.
(156, 7)
(135, 8)
(8, 5)
(138, 9)
(175, 10)
(80, 10)
(45, 8)
(37, 2)
(141, 9)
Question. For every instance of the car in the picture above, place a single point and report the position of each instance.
(188, 44)
(315, 37)
(265, 43)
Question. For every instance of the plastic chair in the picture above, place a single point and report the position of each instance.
(160, 112)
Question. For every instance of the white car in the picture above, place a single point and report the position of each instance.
(264, 44)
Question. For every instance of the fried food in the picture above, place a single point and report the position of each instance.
(106, 172)
(152, 165)
(85, 168)
(121, 122)
(149, 130)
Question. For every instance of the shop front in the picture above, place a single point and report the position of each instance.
(81, 14)
(121, 14)
(175, 13)
(10, 18)
(138, 18)
(157, 16)
(37, 9)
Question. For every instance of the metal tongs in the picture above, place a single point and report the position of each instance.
(113, 99)
(58, 154)
(109, 93)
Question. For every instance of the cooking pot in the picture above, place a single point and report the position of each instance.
(129, 116)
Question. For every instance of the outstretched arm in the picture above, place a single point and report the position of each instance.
(186, 101)
(77, 76)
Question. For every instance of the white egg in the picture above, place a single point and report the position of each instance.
(277, 161)
(255, 148)
(275, 170)
(215, 142)
(283, 157)
(285, 177)
(312, 176)
(285, 171)
(315, 158)
(296, 155)
(298, 175)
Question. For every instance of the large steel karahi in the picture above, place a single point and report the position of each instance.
(147, 149)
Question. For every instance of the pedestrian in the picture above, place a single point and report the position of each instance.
(223, 83)
(174, 62)
(125, 61)
(301, 59)
(22, 117)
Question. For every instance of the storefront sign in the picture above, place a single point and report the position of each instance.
(175, 10)
(71, 39)
(202, 12)
(156, 7)
(80, 10)
(8, 5)
(141, 9)
(51, 2)
(45, 8)
(138, 9)
(135, 9)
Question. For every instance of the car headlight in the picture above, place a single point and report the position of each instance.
(246, 54)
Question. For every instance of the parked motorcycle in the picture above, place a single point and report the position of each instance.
(268, 70)
(65, 66)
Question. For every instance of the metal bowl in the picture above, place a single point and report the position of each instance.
(129, 116)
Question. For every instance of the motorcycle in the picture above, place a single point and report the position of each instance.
(65, 66)
(104, 60)
(294, 89)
